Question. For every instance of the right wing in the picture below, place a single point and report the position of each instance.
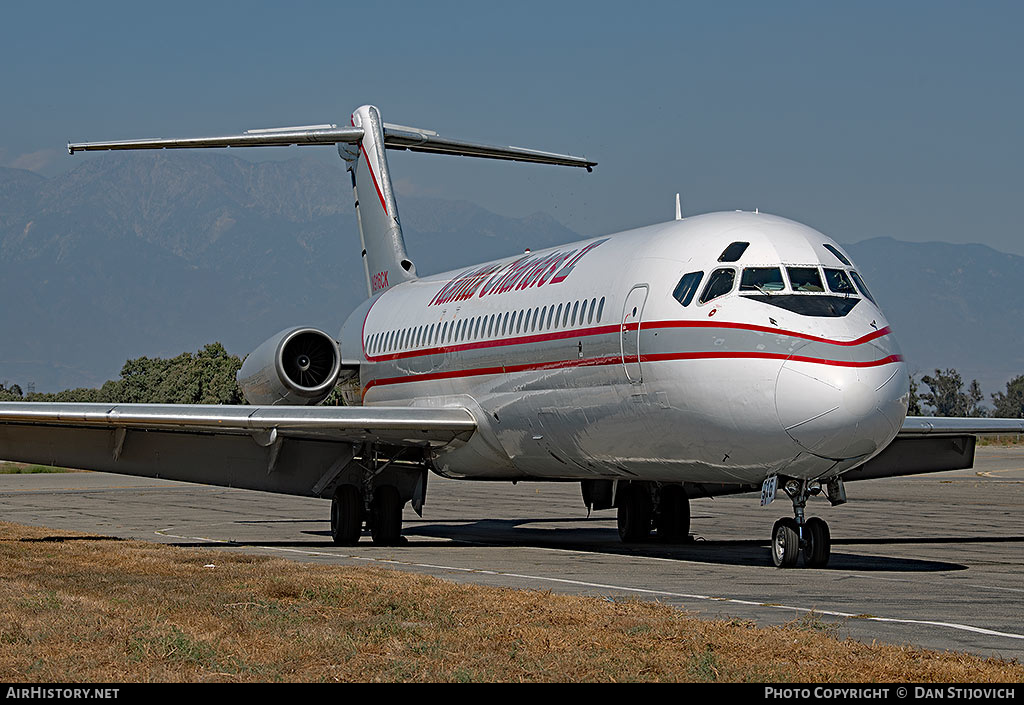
(302, 450)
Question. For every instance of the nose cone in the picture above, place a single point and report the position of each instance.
(847, 405)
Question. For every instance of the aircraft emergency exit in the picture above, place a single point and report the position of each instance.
(721, 353)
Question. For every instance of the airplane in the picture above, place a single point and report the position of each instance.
(722, 353)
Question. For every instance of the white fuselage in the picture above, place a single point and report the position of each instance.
(580, 363)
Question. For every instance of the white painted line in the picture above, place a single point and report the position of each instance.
(620, 588)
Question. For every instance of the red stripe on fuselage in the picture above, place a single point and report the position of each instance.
(604, 330)
(618, 359)
(766, 329)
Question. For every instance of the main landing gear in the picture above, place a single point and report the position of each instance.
(372, 490)
(383, 516)
(811, 537)
(645, 506)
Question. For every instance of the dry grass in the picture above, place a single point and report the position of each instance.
(1009, 441)
(7, 468)
(76, 608)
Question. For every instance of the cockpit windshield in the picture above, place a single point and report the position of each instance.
(805, 278)
(839, 282)
(807, 290)
(762, 279)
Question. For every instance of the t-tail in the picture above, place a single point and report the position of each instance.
(363, 146)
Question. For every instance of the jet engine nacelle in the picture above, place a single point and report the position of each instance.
(297, 366)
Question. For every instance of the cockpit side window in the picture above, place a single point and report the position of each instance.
(687, 287)
(805, 278)
(719, 283)
(733, 252)
(838, 281)
(762, 279)
(863, 288)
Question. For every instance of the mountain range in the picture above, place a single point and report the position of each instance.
(159, 253)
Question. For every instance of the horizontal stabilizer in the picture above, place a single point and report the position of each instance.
(254, 138)
(416, 140)
(395, 137)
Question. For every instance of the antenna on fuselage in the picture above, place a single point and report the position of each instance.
(679, 209)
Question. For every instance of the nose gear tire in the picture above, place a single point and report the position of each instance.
(785, 543)
(817, 543)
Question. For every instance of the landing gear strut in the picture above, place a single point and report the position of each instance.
(791, 537)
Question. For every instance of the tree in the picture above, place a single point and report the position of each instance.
(914, 405)
(1011, 403)
(946, 395)
(207, 377)
(204, 377)
(12, 393)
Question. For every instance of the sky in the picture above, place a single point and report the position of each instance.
(863, 119)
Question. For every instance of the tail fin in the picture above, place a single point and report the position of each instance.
(384, 257)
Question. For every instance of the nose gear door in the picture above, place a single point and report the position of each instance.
(629, 332)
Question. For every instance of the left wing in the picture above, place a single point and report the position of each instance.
(299, 450)
(932, 444)
(940, 425)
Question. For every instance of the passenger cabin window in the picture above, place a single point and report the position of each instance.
(839, 255)
(733, 252)
(863, 287)
(687, 287)
(805, 278)
(762, 279)
(719, 283)
(838, 282)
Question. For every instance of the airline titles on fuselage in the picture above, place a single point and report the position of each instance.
(523, 273)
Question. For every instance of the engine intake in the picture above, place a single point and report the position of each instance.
(296, 366)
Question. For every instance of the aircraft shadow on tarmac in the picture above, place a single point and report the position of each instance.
(512, 533)
(738, 552)
(515, 533)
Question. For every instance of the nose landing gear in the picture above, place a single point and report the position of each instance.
(791, 537)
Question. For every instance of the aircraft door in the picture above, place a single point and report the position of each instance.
(629, 332)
